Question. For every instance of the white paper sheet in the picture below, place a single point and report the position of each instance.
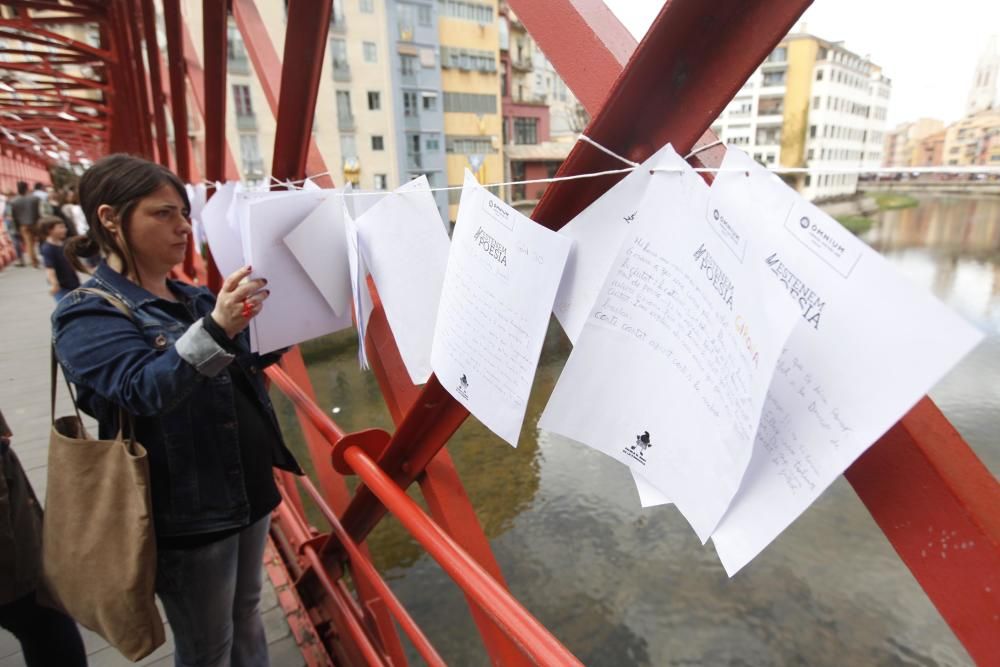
(867, 347)
(223, 240)
(319, 243)
(503, 273)
(296, 310)
(197, 197)
(670, 371)
(597, 233)
(361, 298)
(405, 248)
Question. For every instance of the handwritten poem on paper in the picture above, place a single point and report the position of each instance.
(681, 314)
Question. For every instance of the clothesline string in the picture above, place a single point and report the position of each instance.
(701, 170)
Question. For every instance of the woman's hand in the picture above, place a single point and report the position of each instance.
(238, 302)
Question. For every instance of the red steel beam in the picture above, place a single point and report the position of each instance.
(268, 69)
(199, 90)
(937, 503)
(178, 89)
(530, 635)
(156, 82)
(214, 16)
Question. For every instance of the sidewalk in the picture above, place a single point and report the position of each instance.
(24, 399)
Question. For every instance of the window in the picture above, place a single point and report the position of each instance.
(367, 6)
(241, 100)
(338, 51)
(368, 48)
(775, 78)
(470, 11)
(250, 155)
(468, 145)
(410, 103)
(408, 65)
(525, 130)
(344, 115)
(468, 59)
(374, 100)
(381, 182)
(819, 75)
(406, 15)
(470, 103)
(779, 55)
(812, 131)
(432, 144)
(378, 143)
(424, 15)
(348, 147)
(816, 102)
(430, 101)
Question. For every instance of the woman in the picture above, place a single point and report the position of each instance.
(182, 366)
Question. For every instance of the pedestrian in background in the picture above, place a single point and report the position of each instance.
(25, 210)
(59, 272)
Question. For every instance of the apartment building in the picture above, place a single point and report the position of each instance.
(470, 82)
(416, 95)
(533, 97)
(812, 103)
(354, 125)
(904, 144)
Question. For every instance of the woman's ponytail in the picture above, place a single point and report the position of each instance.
(80, 247)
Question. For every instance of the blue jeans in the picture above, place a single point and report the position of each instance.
(211, 595)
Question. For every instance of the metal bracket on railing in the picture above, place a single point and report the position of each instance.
(372, 442)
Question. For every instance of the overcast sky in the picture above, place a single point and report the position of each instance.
(928, 49)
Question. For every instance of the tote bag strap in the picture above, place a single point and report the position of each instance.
(123, 416)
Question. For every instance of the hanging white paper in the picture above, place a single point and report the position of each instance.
(670, 372)
(319, 243)
(502, 276)
(405, 248)
(867, 347)
(360, 296)
(223, 240)
(597, 232)
(296, 310)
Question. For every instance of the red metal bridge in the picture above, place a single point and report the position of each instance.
(122, 95)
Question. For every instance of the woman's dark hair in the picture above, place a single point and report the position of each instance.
(120, 181)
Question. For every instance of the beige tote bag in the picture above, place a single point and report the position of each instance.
(98, 543)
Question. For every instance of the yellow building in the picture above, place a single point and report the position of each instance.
(470, 82)
(811, 103)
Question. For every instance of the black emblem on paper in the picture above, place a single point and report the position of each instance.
(637, 451)
(463, 387)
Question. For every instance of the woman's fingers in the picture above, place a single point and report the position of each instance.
(246, 289)
(231, 282)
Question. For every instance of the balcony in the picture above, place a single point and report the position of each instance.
(521, 64)
(238, 64)
(345, 122)
(414, 161)
(408, 77)
(246, 122)
(411, 121)
(341, 72)
(253, 168)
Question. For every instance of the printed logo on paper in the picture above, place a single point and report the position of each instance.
(463, 387)
(826, 238)
(728, 231)
(500, 212)
(637, 451)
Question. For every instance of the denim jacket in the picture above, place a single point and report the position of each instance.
(170, 375)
